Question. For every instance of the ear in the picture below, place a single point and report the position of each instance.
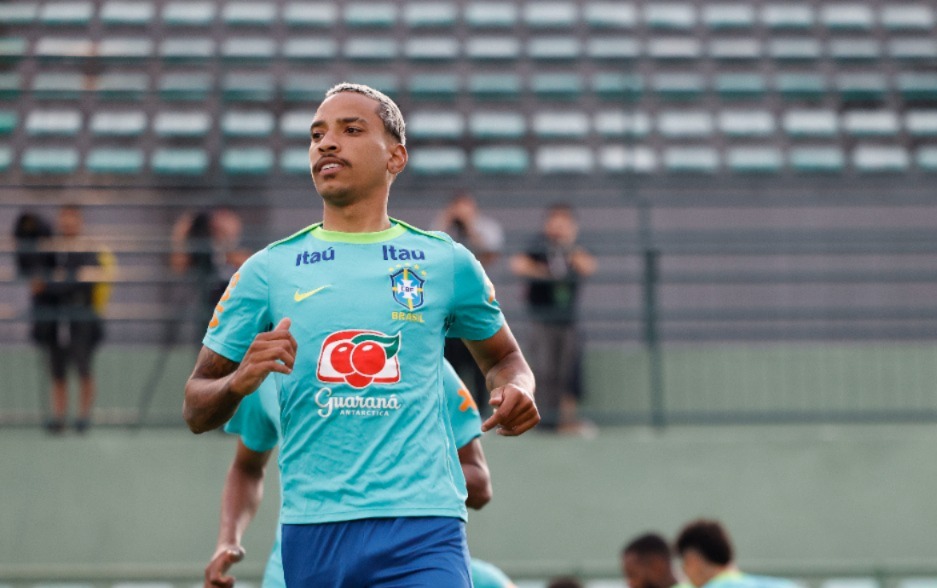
(398, 159)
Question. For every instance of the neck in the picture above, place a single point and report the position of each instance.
(358, 217)
(715, 571)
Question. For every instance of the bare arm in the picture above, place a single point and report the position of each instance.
(510, 380)
(477, 476)
(583, 262)
(526, 267)
(240, 499)
(217, 384)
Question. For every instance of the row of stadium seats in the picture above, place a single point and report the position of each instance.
(448, 125)
(477, 48)
(502, 159)
(800, 86)
(482, 14)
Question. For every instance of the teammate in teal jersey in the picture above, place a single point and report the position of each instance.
(708, 560)
(257, 424)
(362, 304)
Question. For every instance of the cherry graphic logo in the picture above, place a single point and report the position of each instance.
(359, 358)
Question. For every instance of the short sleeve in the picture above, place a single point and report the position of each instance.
(463, 412)
(242, 312)
(253, 424)
(475, 313)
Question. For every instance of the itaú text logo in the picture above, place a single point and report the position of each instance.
(359, 358)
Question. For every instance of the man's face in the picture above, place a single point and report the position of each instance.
(694, 567)
(560, 227)
(645, 571)
(70, 222)
(351, 155)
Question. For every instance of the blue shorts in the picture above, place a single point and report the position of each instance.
(406, 552)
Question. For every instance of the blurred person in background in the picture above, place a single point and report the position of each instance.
(646, 563)
(565, 582)
(709, 560)
(70, 290)
(554, 265)
(484, 237)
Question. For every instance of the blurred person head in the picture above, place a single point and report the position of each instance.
(645, 562)
(564, 582)
(705, 549)
(70, 221)
(560, 225)
(226, 227)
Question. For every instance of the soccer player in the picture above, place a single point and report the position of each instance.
(646, 563)
(706, 551)
(372, 494)
(257, 422)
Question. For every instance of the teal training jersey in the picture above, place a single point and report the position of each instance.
(737, 579)
(365, 434)
(257, 422)
(486, 575)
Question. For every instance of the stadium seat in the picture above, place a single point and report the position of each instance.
(118, 124)
(616, 123)
(247, 123)
(617, 86)
(64, 123)
(295, 160)
(810, 123)
(49, 160)
(565, 159)
(610, 15)
(682, 86)
(500, 160)
(728, 16)
(19, 13)
(554, 48)
(549, 14)
(50, 48)
(559, 86)
(497, 125)
(122, 86)
(847, 17)
(187, 49)
(248, 87)
(170, 161)
(310, 14)
(794, 49)
(310, 49)
(370, 14)
(742, 123)
(754, 160)
(189, 14)
(308, 89)
(913, 49)
(114, 160)
(560, 124)
(435, 125)
(254, 14)
(437, 160)
(907, 17)
(434, 86)
(370, 49)
(618, 158)
(388, 83)
(740, 49)
(181, 124)
(493, 48)
(674, 48)
(123, 50)
(77, 14)
(185, 86)
(431, 49)
(879, 159)
(8, 122)
(853, 50)
(58, 86)
(295, 123)
(6, 158)
(921, 123)
(495, 86)
(740, 86)
(788, 16)
(817, 159)
(871, 123)
(247, 160)
(122, 13)
(917, 87)
(683, 124)
(801, 86)
(670, 16)
(691, 160)
(499, 15)
(248, 49)
(613, 48)
(10, 85)
(430, 14)
(861, 87)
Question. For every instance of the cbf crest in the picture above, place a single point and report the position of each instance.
(407, 287)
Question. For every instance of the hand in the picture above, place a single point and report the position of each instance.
(515, 411)
(274, 351)
(225, 557)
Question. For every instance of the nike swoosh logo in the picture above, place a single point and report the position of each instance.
(299, 297)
